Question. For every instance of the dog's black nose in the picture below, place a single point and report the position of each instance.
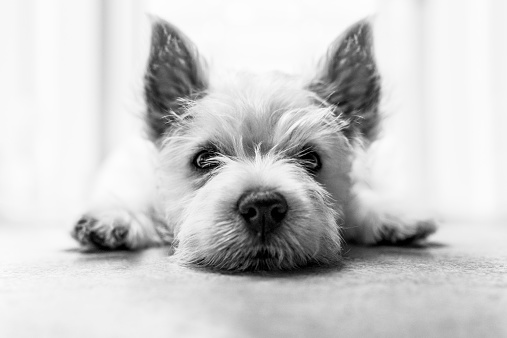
(263, 211)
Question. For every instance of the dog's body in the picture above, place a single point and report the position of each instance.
(253, 171)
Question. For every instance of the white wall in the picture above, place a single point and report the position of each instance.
(71, 84)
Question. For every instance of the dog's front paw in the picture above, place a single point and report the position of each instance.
(105, 232)
(400, 232)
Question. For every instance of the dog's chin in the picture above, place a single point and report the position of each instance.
(261, 260)
(264, 260)
(250, 253)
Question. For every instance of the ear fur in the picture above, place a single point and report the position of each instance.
(175, 73)
(350, 81)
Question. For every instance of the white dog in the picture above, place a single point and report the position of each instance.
(249, 171)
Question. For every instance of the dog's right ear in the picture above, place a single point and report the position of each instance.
(175, 73)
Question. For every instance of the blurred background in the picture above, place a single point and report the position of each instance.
(71, 90)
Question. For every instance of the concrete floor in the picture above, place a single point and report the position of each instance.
(454, 287)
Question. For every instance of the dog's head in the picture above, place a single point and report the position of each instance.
(255, 169)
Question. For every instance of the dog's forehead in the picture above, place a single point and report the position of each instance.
(257, 111)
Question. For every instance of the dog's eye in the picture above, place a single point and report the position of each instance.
(205, 160)
(310, 160)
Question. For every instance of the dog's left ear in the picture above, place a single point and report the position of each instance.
(349, 80)
(175, 73)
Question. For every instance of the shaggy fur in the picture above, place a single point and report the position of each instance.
(213, 142)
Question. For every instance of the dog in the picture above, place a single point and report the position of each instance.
(248, 171)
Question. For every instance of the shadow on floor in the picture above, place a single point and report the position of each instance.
(420, 249)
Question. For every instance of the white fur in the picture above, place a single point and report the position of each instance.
(259, 123)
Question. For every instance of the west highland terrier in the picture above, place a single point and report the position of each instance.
(249, 171)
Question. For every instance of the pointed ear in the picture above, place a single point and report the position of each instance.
(175, 73)
(350, 81)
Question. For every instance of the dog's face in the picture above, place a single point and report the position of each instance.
(254, 169)
(252, 177)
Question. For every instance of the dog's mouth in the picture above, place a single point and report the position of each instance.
(262, 259)
(264, 254)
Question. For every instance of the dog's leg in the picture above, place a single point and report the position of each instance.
(368, 220)
(122, 211)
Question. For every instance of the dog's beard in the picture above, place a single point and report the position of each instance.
(213, 233)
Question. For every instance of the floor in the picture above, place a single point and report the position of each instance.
(456, 286)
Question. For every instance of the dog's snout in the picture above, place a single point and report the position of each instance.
(263, 211)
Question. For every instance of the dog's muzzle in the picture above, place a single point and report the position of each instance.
(263, 211)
